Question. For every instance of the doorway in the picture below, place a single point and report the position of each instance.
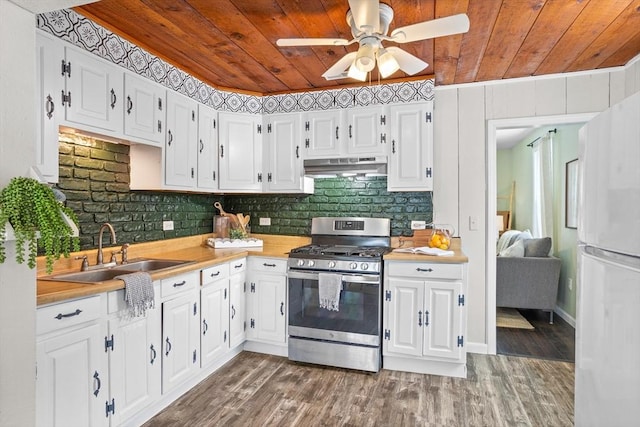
(493, 128)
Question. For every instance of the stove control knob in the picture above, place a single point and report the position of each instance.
(311, 263)
(353, 265)
(364, 266)
(332, 264)
(300, 262)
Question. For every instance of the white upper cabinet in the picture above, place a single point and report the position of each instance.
(144, 109)
(49, 108)
(411, 147)
(207, 148)
(366, 131)
(181, 141)
(240, 152)
(94, 91)
(283, 154)
(323, 134)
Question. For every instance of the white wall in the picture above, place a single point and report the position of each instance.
(462, 125)
(17, 282)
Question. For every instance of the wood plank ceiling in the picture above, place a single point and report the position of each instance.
(232, 43)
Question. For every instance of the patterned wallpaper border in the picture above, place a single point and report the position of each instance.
(71, 27)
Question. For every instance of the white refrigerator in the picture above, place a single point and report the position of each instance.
(607, 388)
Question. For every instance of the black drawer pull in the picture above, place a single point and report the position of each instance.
(167, 347)
(75, 313)
(217, 273)
(98, 383)
(153, 354)
(238, 265)
(177, 285)
(268, 265)
(427, 270)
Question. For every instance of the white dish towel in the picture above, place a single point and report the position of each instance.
(329, 286)
(138, 292)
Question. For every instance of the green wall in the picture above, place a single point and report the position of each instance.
(515, 164)
(94, 175)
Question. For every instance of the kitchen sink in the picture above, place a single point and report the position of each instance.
(109, 273)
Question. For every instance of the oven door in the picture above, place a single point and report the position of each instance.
(358, 319)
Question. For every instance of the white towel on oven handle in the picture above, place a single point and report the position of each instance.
(329, 287)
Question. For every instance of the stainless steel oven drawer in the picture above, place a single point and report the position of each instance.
(335, 354)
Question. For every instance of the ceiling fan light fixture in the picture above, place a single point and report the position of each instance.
(356, 73)
(387, 63)
(366, 58)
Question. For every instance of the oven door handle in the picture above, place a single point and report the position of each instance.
(351, 278)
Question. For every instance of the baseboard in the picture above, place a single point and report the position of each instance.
(565, 316)
(477, 347)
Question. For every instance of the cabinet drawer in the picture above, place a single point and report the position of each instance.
(237, 266)
(215, 273)
(116, 302)
(70, 313)
(268, 265)
(429, 270)
(177, 284)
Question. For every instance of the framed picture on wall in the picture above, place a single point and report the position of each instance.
(571, 194)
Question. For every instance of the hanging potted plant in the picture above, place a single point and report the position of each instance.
(36, 217)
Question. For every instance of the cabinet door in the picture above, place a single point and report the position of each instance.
(95, 90)
(237, 326)
(240, 151)
(180, 340)
(442, 320)
(207, 148)
(214, 338)
(144, 109)
(405, 317)
(269, 308)
(283, 160)
(134, 363)
(411, 151)
(366, 131)
(181, 141)
(72, 384)
(323, 134)
(49, 108)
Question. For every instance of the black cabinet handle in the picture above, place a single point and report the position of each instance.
(98, 383)
(426, 270)
(221, 151)
(168, 347)
(350, 134)
(268, 265)
(337, 129)
(205, 327)
(201, 146)
(419, 318)
(233, 312)
(170, 140)
(129, 104)
(61, 316)
(49, 106)
(297, 151)
(282, 308)
(153, 354)
(426, 318)
(238, 265)
(113, 99)
(393, 146)
(217, 273)
(177, 285)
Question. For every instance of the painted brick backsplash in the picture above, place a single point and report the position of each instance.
(352, 196)
(94, 175)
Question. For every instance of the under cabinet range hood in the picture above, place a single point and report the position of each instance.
(345, 166)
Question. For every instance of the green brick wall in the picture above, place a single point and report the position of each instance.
(94, 175)
(353, 196)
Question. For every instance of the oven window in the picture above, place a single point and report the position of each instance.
(358, 307)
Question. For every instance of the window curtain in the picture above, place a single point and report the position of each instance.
(543, 188)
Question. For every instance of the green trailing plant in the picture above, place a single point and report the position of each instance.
(31, 207)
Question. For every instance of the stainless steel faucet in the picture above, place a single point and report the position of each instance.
(113, 240)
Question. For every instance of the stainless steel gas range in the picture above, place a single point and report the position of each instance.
(335, 293)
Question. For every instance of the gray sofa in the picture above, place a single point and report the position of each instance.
(529, 281)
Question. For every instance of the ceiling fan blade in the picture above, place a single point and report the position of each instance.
(340, 68)
(312, 42)
(454, 24)
(408, 63)
(366, 15)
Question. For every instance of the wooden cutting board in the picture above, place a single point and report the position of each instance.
(421, 237)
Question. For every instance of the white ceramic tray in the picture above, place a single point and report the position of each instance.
(233, 243)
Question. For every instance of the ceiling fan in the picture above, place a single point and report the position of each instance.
(369, 21)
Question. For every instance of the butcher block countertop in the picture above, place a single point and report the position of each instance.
(192, 249)
(195, 250)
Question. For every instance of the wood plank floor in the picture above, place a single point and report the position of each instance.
(261, 390)
(546, 341)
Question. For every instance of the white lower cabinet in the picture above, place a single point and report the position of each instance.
(267, 300)
(72, 385)
(135, 363)
(180, 329)
(237, 292)
(214, 309)
(425, 318)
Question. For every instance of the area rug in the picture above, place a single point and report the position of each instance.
(511, 318)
